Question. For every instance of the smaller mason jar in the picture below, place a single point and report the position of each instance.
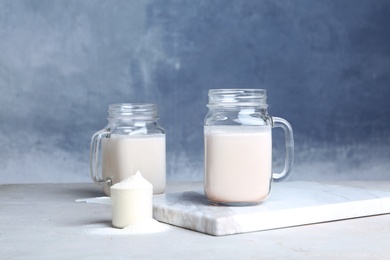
(132, 141)
(238, 147)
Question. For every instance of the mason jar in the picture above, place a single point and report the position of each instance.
(238, 147)
(132, 141)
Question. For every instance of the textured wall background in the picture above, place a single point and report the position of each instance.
(325, 65)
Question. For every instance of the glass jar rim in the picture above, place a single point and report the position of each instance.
(237, 98)
(238, 90)
(142, 111)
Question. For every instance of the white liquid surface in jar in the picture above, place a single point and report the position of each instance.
(124, 155)
(238, 162)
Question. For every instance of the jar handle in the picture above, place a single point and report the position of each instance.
(94, 157)
(289, 143)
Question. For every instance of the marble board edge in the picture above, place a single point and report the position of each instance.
(261, 221)
(305, 216)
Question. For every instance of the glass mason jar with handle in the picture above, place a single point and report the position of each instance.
(132, 141)
(238, 147)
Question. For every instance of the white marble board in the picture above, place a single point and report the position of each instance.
(290, 204)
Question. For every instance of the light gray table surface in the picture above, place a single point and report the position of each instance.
(43, 221)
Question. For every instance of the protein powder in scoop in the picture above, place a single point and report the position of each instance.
(131, 201)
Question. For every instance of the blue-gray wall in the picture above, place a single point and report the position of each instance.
(325, 65)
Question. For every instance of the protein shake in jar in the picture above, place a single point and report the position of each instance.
(238, 147)
(132, 141)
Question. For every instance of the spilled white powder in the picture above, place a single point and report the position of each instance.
(148, 226)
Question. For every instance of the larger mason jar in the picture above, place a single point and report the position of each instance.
(132, 141)
(238, 147)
